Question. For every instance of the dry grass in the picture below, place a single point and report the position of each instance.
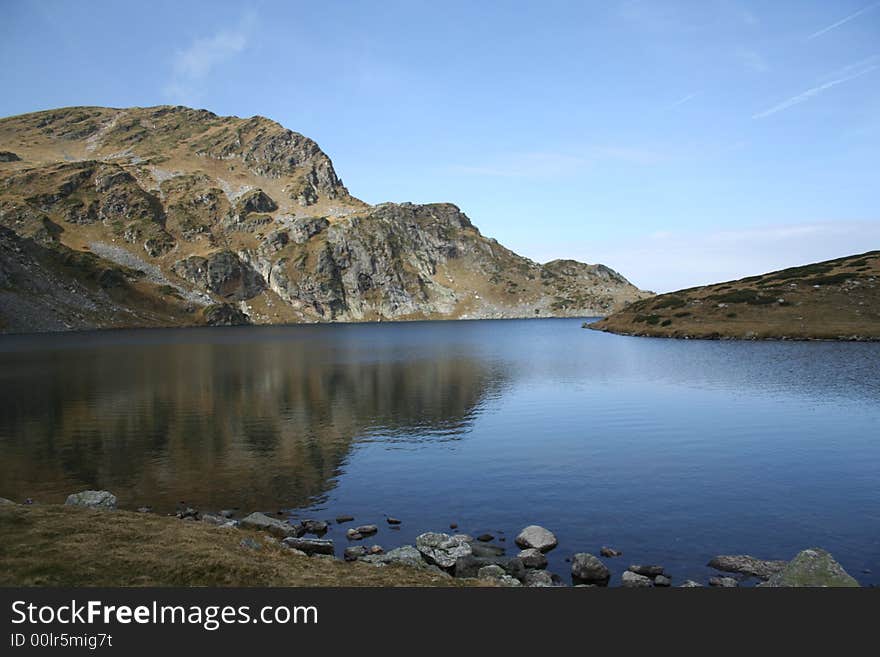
(69, 546)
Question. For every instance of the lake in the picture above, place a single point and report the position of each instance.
(672, 451)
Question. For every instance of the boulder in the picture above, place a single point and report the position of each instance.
(318, 527)
(813, 567)
(538, 578)
(588, 569)
(647, 571)
(310, 545)
(533, 558)
(353, 534)
(367, 530)
(406, 555)
(747, 565)
(508, 581)
(633, 580)
(442, 550)
(492, 571)
(470, 565)
(723, 582)
(662, 580)
(261, 522)
(536, 537)
(610, 552)
(94, 499)
(342, 519)
(354, 552)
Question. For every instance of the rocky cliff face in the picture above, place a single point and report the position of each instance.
(178, 216)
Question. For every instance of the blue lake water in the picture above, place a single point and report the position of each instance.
(671, 451)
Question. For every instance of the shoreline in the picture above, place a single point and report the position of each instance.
(55, 545)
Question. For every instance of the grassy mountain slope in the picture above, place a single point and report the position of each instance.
(835, 300)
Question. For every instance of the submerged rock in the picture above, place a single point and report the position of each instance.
(633, 580)
(367, 530)
(442, 549)
(483, 550)
(392, 521)
(747, 565)
(813, 567)
(647, 571)
(610, 552)
(588, 569)
(535, 536)
(262, 522)
(342, 519)
(93, 499)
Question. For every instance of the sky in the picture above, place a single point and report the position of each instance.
(679, 142)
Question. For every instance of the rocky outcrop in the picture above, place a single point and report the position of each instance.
(813, 567)
(231, 209)
(94, 499)
(747, 565)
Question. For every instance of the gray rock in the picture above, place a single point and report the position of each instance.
(354, 552)
(610, 552)
(747, 565)
(94, 499)
(536, 537)
(538, 578)
(342, 519)
(813, 567)
(633, 580)
(588, 569)
(353, 534)
(690, 584)
(492, 571)
(507, 580)
(469, 565)
(533, 558)
(213, 519)
(662, 580)
(261, 522)
(443, 550)
(723, 582)
(406, 555)
(310, 545)
(647, 571)
(376, 549)
(367, 530)
(318, 527)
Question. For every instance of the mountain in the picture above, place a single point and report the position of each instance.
(832, 300)
(168, 216)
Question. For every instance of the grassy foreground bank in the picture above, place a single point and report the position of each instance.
(49, 545)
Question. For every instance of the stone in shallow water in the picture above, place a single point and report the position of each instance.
(633, 580)
(723, 582)
(342, 519)
(392, 521)
(353, 534)
(813, 567)
(367, 530)
(588, 569)
(535, 536)
(94, 499)
(443, 550)
(484, 550)
(747, 565)
(610, 552)
(354, 552)
(318, 527)
(647, 571)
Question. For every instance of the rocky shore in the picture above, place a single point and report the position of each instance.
(459, 556)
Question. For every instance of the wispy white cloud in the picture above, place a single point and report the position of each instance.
(192, 64)
(845, 75)
(681, 101)
(845, 20)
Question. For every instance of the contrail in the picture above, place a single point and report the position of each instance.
(809, 93)
(843, 20)
(682, 101)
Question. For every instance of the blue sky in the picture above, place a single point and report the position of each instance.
(678, 142)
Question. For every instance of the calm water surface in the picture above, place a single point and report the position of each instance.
(672, 451)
